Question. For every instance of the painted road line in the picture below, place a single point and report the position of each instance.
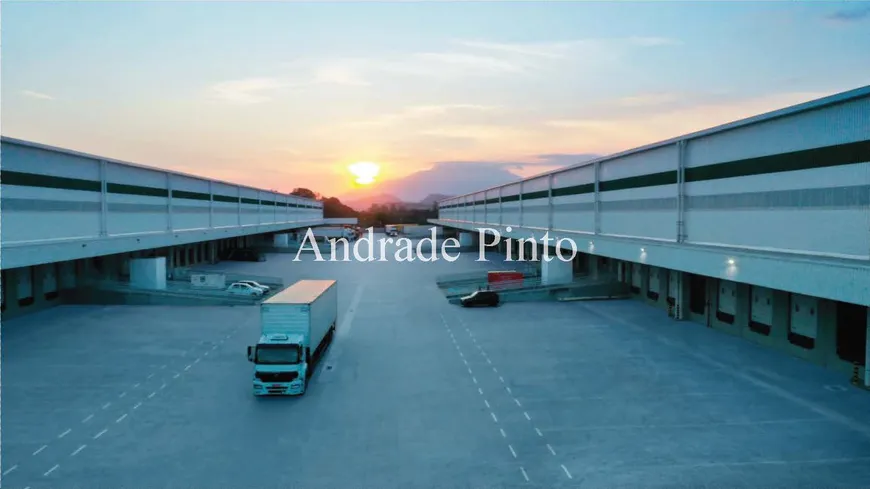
(88, 418)
(43, 447)
(518, 402)
(512, 451)
(121, 418)
(150, 375)
(77, 450)
(197, 360)
(106, 405)
(493, 417)
(101, 433)
(163, 385)
(508, 389)
(121, 395)
(49, 471)
(551, 449)
(10, 470)
(480, 391)
(487, 403)
(136, 385)
(474, 379)
(137, 405)
(527, 416)
(539, 432)
(176, 376)
(503, 434)
(566, 471)
(152, 395)
(187, 367)
(525, 476)
(64, 433)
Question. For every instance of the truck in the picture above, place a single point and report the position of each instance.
(296, 326)
(330, 232)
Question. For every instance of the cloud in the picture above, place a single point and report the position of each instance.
(850, 15)
(422, 112)
(39, 95)
(246, 91)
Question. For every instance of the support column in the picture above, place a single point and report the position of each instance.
(682, 299)
(866, 353)
(148, 273)
(281, 240)
(10, 292)
(213, 255)
(556, 272)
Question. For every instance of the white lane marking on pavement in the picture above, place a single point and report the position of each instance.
(162, 366)
(527, 416)
(43, 447)
(49, 471)
(88, 418)
(488, 361)
(137, 405)
(187, 367)
(214, 347)
(539, 432)
(526, 476)
(347, 322)
(64, 433)
(152, 395)
(494, 369)
(106, 405)
(551, 449)
(176, 376)
(503, 434)
(469, 371)
(487, 403)
(474, 379)
(121, 418)
(163, 386)
(493, 417)
(512, 451)
(205, 354)
(480, 391)
(197, 360)
(101, 433)
(150, 375)
(10, 469)
(501, 379)
(77, 450)
(136, 385)
(121, 395)
(518, 402)
(566, 471)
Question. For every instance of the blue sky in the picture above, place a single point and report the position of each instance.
(297, 91)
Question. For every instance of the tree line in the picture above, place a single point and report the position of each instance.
(377, 215)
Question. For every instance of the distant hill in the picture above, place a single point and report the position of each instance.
(448, 178)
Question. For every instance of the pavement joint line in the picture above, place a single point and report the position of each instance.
(106, 405)
(527, 415)
(526, 476)
(539, 432)
(88, 418)
(493, 416)
(152, 395)
(176, 376)
(503, 434)
(512, 451)
(49, 471)
(137, 405)
(551, 449)
(10, 469)
(77, 450)
(38, 450)
(101, 433)
(121, 418)
(65, 433)
(487, 403)
(518, 402)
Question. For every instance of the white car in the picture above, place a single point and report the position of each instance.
(264, 288)
(240, 288)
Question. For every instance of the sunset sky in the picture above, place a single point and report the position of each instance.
(282, 95)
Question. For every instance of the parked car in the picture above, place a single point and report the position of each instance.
(264, 288)
(481, 298)
(239, 288)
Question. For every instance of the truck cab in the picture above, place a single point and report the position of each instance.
(280, 364)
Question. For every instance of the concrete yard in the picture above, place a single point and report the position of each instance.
(415, 392)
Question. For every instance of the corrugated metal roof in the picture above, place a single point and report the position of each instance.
(302, 292)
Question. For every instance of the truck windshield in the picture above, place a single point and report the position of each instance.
(277, 354)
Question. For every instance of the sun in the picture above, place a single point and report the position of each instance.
(364, 171)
